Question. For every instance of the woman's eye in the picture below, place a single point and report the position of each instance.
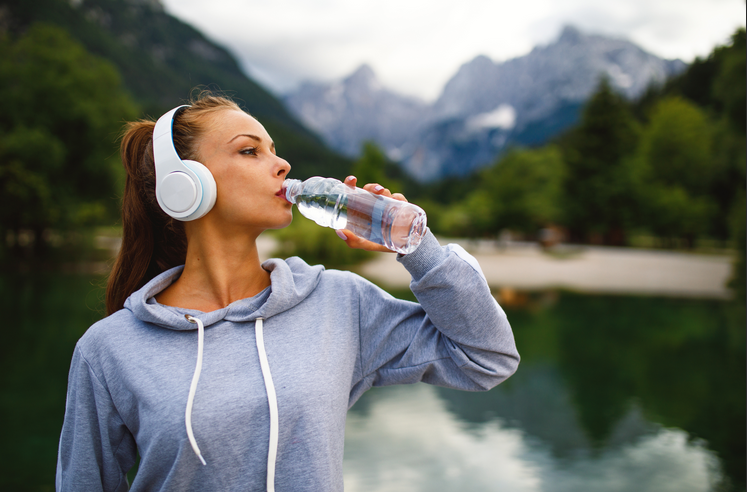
(251, 151)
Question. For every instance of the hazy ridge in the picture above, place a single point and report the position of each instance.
(483, 108)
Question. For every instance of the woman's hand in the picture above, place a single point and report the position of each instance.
(351, 239)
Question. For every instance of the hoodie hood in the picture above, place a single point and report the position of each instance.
(292, 280)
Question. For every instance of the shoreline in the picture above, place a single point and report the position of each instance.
(586, 269)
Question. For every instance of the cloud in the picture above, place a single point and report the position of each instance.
(417, 45)
(407, 440)
(504, 116)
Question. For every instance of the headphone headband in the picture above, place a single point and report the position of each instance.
(164, 152)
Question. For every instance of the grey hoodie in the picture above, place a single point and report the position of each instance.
(328, 336)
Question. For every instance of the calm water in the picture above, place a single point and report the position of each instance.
(613, 394)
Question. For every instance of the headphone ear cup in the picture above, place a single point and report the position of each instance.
(209, 189)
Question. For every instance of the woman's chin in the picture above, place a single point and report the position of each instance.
(282, 224)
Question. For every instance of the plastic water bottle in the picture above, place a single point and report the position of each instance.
(398, 225)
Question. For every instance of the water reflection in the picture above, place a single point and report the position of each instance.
(613, 393)
(407, 439)
(43, 317)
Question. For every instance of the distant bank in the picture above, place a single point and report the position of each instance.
(524, 266)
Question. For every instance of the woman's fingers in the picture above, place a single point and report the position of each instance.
(351, 239)
(356, 242)
(375, 188)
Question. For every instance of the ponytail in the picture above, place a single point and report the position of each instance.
(152, 241)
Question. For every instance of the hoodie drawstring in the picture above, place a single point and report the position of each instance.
(273, 402)
(269, 387)
(193, 387)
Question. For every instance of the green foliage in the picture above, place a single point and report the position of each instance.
(24, 173)
(521, 192)
(316, 244)
(372, 167)
(715, 83)
(470, 217)
(730, 81)
(62, 112)
(675, 155)
(526, 189)
(676, 144)
(601, 179)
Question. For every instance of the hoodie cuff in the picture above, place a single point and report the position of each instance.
(428, 255)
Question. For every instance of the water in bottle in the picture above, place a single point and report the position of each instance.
(398, 225)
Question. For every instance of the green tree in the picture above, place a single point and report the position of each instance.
(522, 192)
(728, 182)
(470, 217)
(676, 154)
(373, 167)
(526, 188)
(62, 111)
(601, 178)
(730, 80)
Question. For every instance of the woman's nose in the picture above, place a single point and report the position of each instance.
(283, 167)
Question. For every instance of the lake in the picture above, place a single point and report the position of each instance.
(614, 393)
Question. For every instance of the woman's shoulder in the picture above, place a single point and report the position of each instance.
(109, 332)
(299, 267)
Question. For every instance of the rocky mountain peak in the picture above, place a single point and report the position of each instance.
(571, 35)
(362, 75)
(363, 80)
(483, 108)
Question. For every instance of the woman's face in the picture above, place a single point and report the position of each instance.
(239, 152)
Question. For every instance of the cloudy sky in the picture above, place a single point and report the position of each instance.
(415, 46)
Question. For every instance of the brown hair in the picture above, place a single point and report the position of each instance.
(152, 241)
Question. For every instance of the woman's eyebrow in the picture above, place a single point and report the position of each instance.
(253, 137)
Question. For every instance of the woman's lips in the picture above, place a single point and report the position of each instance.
(281, 194)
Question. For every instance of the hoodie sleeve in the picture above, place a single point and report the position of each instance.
(96, 448)
(457, 336)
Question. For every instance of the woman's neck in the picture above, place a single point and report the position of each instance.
(220, 269)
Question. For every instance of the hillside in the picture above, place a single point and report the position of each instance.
(161, 60)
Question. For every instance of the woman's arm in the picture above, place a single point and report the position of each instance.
(457, 336)
(96, 449)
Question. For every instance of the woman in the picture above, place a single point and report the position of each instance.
(281, 349)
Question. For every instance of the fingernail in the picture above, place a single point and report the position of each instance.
(348, 178)
(341, 235)
(378, 188)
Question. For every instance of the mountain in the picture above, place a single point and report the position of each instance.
(349, 112)
(486, 105)
(162, 60)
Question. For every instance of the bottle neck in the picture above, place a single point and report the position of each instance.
(292, 188)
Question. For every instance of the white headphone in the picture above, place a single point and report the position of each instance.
(184, 189)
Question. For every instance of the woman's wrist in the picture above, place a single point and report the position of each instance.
(428, 255)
